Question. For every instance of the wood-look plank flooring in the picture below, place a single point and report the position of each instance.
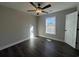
(40, 47)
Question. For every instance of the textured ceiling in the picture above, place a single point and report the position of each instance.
(24, 6)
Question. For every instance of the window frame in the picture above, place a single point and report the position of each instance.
(46, 25)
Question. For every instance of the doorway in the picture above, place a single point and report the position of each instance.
(31, 32)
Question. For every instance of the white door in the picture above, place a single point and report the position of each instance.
(70, 29)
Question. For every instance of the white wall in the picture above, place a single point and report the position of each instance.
(14, 26)
(60, 24)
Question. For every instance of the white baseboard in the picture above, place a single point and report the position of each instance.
(14, 43)
(52, 38)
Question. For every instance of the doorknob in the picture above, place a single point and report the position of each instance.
(65, 30)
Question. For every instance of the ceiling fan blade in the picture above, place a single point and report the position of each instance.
(45, 12)
(33, 4)
(31, 10)
(47, 6)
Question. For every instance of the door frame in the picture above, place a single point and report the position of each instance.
(77, 30)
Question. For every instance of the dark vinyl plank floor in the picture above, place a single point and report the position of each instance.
(40, 47)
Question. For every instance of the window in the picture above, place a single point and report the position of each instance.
(51, 25)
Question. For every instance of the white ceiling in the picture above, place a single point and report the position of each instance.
(24, 6)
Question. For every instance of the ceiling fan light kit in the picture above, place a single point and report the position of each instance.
(38, 10)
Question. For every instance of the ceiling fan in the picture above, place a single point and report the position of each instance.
(39, 9)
